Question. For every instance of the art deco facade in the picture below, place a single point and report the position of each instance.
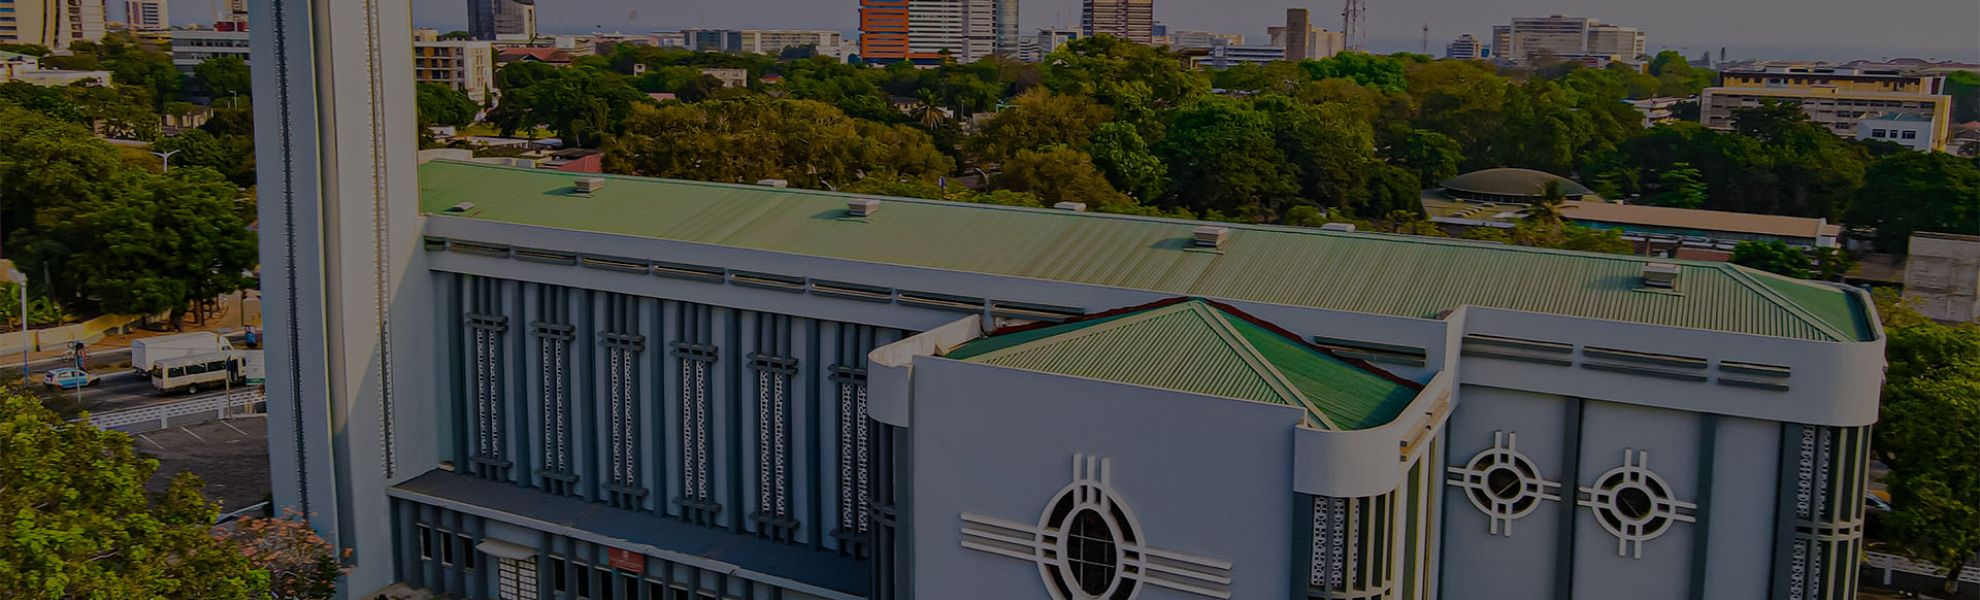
(514, 383)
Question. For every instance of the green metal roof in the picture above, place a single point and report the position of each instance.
(1199, 347)
(1398, 275)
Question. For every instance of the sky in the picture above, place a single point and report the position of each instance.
(1820, 29)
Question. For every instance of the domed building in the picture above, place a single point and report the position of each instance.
(1521, 186)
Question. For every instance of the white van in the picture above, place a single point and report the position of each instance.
(146, 351)
(190, 374)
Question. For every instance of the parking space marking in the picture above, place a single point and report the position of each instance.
(236, 429)
(195, 435)
(149, 440)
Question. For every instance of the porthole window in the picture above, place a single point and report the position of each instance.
(1634, 504)
(1503, 483)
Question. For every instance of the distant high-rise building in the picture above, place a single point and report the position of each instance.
(52, 23)
(764, 41)
(1565, 37)
(502, 19)
(146, 15)
(1132, 20)
(230, 15)
(1035, 47)
(465, 65)
(1465, 47)
(1303, 41)
(935, 30)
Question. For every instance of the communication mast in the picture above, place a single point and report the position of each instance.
(1426, 38)
(1352, 25)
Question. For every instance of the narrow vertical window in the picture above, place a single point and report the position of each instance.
(773, 449)
(855, 442)
(697, 500)
(486, 368)
(622, 350)
(553, 343)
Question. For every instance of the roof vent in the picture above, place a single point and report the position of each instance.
(1210, 236)
(1660, 275)
(775, 183)
(590, 185)
(460, 208)
(1341, 227)
(863, 207)
(1072, 206)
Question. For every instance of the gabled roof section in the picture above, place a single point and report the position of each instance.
(1405, 276)
(1202, 347)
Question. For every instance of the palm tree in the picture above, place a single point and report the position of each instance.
(1548, 210)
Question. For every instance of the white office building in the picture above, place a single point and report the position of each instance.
(146, 15)
(193, 46)
(1568, 38)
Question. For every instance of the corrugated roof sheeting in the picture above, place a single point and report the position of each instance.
(1368, 273)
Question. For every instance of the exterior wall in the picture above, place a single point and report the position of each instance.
(146, 15)
(191, 46)
(1000, 443)
(1915, 134)
(1943, 276)
(468, 66)
(883, 29)
(1131, 20)
(343, 285)
(1836, 108)
(936, 27)
(52, 23)
(657, 406)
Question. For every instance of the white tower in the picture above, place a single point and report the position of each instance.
(339, 235)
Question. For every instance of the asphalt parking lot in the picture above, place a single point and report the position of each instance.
(231, 455)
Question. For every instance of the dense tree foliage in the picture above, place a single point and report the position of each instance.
(225, 78)
(130, 62)
(441, 104)
(808, 143)
(1929, 436)
(1918, 191)
(1773, 256)
(80, 525)
(1964, 87)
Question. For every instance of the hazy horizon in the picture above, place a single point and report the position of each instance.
(1812, 29)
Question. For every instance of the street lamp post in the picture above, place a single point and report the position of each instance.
(167, 156)
(26, 377)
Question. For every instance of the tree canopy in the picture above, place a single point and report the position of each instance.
(1928, 434)
(80, 524)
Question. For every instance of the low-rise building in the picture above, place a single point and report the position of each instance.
(193, 46)
(765, 41)
(1224, 57)
(1834, 97)
(1302, 41)
(1908, 130)
(551, 56)
(1528, 38)
(1942, 277)
(27, 69)
(1201, 39)
(1659, 111)
(465, 65)
(1034, 48)
(730, 78)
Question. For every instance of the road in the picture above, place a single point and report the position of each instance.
(119, 387)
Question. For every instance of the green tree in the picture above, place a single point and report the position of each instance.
(1684, 187)
(568, 101)
(1101, 65)
(146, 243)
(80, 525)
(1964, 87)
(46, 162)
(1773, 257)
(1380, 72)
(1129, 164)
(1061, 174)
(1676, 78)
(1223, 157)
(441, 104)
(129, 63)
(224, 77)
(1928, 433)
(1434, 157)
(809, 143)
(36, 50)
(231, 156)
(1917, 191)
(1039, 119)
(1330, 153)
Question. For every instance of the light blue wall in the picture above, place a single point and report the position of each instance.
(1204, 476)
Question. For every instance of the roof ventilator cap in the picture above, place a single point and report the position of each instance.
(775, 183)
(1210, 236)
(1072, 206)
(1342, 227)
(863, 207)
(1660, 275)
(590, 185)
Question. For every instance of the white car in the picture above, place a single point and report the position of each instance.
(67, 378)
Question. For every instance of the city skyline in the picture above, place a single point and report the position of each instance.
(1749, 27)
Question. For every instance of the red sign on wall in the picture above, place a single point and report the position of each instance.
(627, 560)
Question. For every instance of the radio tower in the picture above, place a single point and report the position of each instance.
(1426, 38)
(1351, 26)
